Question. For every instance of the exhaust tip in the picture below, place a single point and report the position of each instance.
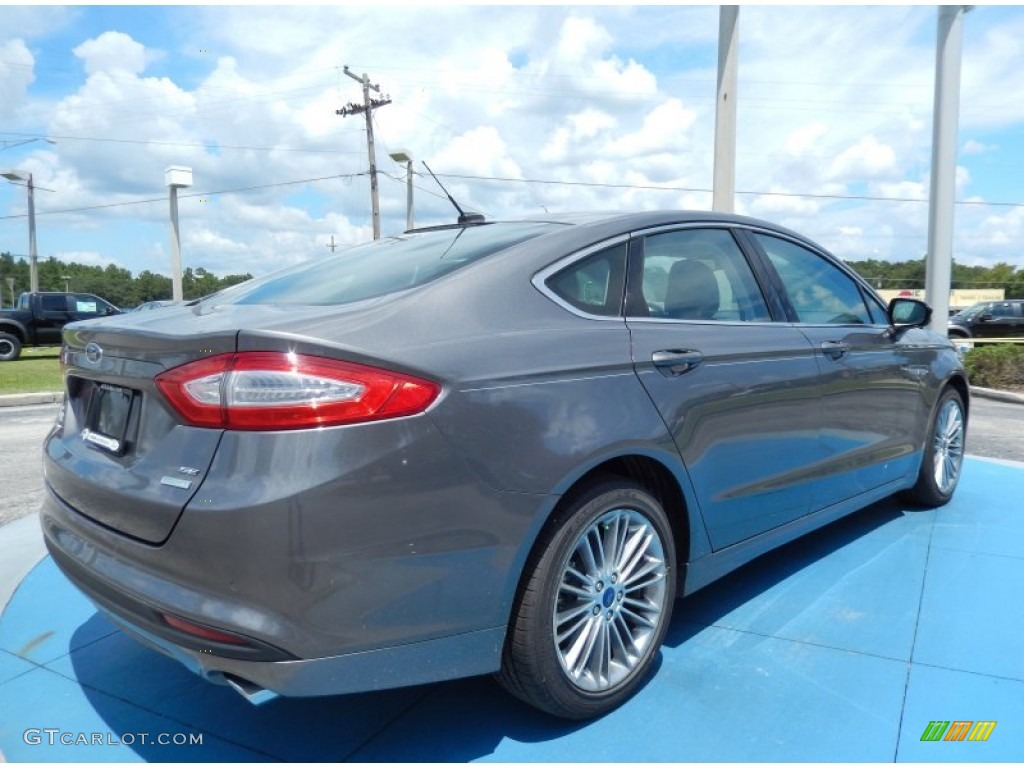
(251, 692)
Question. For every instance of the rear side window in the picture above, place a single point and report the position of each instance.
(384, 266)
(593, 285)
(54, 303)
(818, 290)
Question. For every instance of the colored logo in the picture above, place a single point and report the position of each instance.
(958, 730)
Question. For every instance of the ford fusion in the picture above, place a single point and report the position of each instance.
(495, 447)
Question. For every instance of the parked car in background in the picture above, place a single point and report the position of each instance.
(38, 319)
(989, 320)
(488, 448)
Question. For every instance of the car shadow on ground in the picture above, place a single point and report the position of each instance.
(716, 601)
(451, 722)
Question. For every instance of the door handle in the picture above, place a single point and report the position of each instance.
(835, 349)
(675, 362)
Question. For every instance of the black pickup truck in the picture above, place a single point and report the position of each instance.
(39, 318)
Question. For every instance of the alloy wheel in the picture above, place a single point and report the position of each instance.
(611, 600)
(948, 446)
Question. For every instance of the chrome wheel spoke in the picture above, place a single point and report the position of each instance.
(653, 571)
(576, 591)
(577, 614)
(581, 653)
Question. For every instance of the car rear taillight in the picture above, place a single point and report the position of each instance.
(285, 390)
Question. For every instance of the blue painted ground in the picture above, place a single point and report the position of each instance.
(840, 647)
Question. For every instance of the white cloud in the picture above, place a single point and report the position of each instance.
(972, 147)
(610, 96)
(16, 74)
(88, 258)
(866, 159)
(805, 139)
(112, 52)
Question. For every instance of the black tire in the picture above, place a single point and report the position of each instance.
(537, 667)
(944, 441)
(10, 347)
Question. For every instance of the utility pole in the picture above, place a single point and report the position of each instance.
(332, 245)
(367, 108)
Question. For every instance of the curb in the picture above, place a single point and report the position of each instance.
(31, 398)
(998, 394)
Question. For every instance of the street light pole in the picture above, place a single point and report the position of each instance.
(33, 269)
(404, 156)
(33, 259)
(723, 192)
(175, 177)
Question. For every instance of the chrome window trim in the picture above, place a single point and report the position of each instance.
(539, 280)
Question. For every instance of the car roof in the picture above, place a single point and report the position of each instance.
(631, 220)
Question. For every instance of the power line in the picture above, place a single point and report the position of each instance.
(190, 144)
(190, 194)
(657, 188)
(470, 177)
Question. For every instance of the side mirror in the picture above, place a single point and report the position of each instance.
(985, 318)
(909, 313)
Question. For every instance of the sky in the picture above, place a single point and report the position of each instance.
(520, 109)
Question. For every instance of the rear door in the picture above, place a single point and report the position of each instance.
(51, 317)
(872, 384)
(739, 392)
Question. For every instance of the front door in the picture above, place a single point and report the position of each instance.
(871, 385)
(739, 392)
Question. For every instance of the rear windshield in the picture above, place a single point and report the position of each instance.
(383, 266)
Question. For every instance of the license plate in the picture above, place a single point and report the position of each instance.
(107, 422)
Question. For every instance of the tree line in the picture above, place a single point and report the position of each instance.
(115, 284)
(118, 286)
(911, 274)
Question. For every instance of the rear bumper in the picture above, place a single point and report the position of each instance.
(117, 587)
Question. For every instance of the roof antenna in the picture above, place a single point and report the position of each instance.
(464, 218)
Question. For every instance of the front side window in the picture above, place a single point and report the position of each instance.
(1004, 309)
(697, 274)
(820, 292)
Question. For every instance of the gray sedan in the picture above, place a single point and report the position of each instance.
(498, 447)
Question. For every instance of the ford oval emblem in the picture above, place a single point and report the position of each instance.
(93, 352)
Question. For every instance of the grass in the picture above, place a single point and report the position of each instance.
(37, 370)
